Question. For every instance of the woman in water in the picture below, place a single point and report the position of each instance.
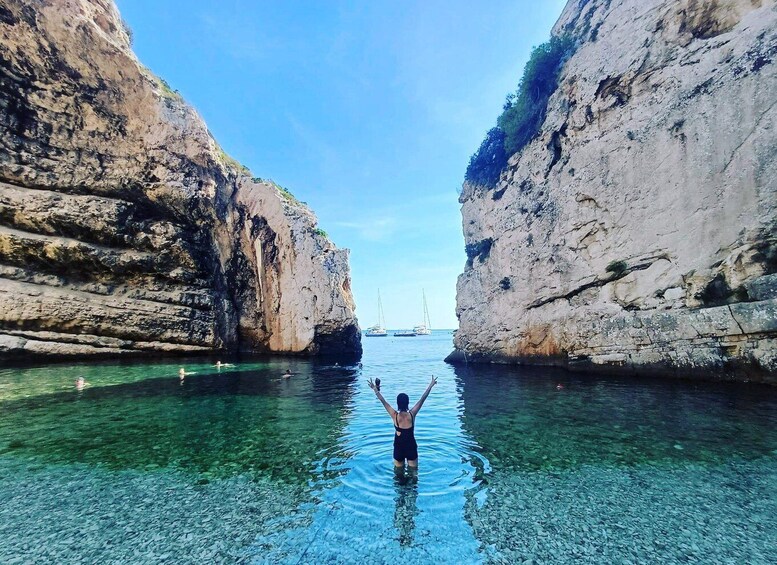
(405, 446)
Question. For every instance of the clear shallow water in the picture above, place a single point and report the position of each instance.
(238, 465)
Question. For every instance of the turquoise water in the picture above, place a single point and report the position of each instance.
(236, 465)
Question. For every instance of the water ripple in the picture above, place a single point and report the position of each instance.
(510, 464)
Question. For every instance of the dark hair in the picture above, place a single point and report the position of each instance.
(402, 402)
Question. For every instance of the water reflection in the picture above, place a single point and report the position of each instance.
(406, 510)
(366, 510)
(609, 470)
(214, 422)
(512, 466)
(523, 419)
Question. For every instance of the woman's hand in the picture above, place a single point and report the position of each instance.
(432, 382)
(373, 386)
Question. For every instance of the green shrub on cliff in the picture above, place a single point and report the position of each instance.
(617, 268)
(286, 193)
(167, 90)
(524, 111)
(231, 161)
(489, 160)
(128, 30)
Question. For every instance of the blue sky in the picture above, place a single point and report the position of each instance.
(367, 111)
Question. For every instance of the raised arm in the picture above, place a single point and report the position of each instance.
(417, 408)
(386, 405)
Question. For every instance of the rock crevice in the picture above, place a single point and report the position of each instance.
(124, 228)
(646, 241)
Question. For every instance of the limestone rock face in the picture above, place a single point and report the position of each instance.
(124, 228)
(637, 230)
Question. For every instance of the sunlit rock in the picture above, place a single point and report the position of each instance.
(642, 215)
(124, 228)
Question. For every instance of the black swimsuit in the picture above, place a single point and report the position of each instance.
(405, 446)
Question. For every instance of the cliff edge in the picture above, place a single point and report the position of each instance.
(636, 230)
(124, 228)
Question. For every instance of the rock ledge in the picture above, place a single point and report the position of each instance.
(125, 229)
(636, 232)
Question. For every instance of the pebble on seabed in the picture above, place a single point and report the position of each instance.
(632, 515)
(78, 514)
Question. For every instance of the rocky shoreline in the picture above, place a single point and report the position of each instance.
(723, 340)
(636, 231)
(124, 227)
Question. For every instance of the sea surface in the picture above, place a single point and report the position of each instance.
(516, 465)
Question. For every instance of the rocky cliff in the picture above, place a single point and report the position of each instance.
(124, 228)
(636, 231)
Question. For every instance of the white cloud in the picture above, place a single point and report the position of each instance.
(376, 229)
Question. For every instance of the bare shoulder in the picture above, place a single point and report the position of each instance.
(406, 419)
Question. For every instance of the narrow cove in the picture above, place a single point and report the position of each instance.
(238, 464)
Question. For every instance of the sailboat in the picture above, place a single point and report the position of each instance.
(379, 329)
(426, 327)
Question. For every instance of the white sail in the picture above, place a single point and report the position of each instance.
(426, 327)
(379, 329)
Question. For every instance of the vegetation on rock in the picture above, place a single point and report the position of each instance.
(488, 161)
(168, 90)
(523, 113)
(231, 161)
(128, 30)
(617, 267)
(480, 249)
(286, 193)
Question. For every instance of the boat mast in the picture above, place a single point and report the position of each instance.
(381, 318)
(427, 322)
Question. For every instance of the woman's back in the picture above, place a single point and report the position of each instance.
(404, 420)
(405, 447)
